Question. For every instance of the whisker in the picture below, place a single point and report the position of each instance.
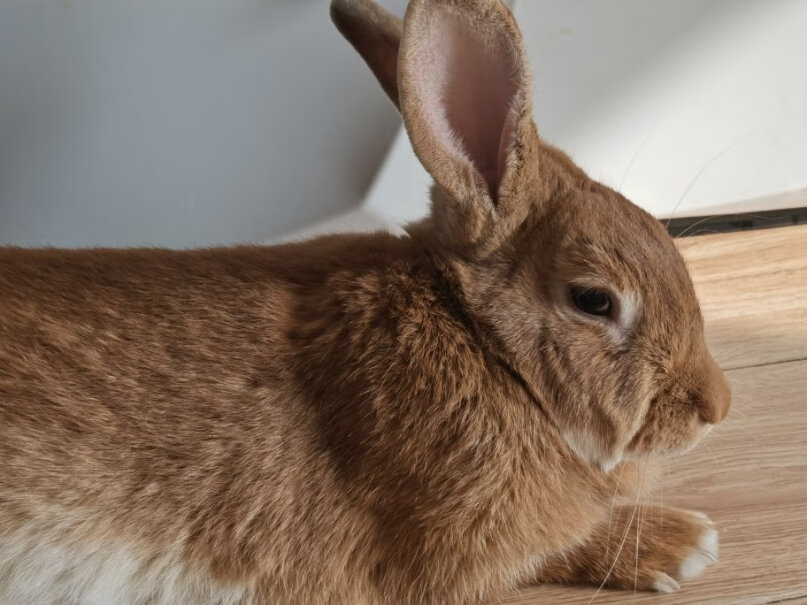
(708, 449)
(621, 545)
(772, 220)
(739, 412)
(703, 169)
(611, 511)
(703, 232)
(639, 151)
(695, 224)
(638, 536)
(662, 478)
(748, 433)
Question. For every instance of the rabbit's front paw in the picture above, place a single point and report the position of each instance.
(660, 547)
(640, 548)
(689, 558)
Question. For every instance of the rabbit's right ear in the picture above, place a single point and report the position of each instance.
(466, 99)
(458, 72)
(376, 36)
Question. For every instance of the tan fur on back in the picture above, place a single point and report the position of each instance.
(359, 418)
(221, 422)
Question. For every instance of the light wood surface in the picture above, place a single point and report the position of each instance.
(750, 474)
(753, 291)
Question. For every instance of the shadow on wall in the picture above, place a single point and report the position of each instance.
(193, 122)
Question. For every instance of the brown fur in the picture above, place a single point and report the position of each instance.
(657, 537)
(364, 419)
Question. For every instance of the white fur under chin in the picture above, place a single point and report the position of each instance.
(610, 465)
(34, 571)
(588, 451)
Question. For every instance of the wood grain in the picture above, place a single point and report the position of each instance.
(750, 475)
(753, 292)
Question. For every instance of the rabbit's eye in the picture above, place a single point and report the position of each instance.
(592, 301)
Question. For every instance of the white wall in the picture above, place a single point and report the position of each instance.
(196, 122)
(181, 122)
(689, 107)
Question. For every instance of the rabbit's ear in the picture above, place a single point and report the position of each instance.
(375, 34)
(466, 97)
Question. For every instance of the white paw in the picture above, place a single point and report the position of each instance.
(665, 583)
(704, 555)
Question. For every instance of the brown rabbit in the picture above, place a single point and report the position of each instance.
(433, 418)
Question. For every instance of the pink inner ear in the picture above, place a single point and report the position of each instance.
(467, 85)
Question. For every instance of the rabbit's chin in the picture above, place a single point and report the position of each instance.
(599, 456)
(592, 451)
(672, 452)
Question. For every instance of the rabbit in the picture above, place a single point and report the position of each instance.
(435, 417)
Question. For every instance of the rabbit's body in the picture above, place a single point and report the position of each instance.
(212, 425)
(430, 418)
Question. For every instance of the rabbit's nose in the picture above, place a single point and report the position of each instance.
(716, 396)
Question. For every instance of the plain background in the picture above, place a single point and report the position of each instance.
(200, 122)
(181, 122)
(690, 108)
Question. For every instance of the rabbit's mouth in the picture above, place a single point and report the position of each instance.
(671, 428)
(707, 428)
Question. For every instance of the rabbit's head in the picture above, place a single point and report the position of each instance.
(584, 293)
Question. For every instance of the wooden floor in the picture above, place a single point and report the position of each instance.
(750, 474)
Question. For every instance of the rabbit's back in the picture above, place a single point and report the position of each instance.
(303, 423)
(147, 406)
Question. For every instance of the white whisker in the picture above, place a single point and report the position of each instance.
(650, 133)
(621, 544)
(611, 511)
(703, 169)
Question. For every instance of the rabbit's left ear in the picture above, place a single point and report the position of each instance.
(465, 96)
(375, 34)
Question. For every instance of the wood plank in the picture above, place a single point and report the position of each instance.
(753, 291)
(750, 477)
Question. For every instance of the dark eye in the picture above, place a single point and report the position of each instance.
(592, 301)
